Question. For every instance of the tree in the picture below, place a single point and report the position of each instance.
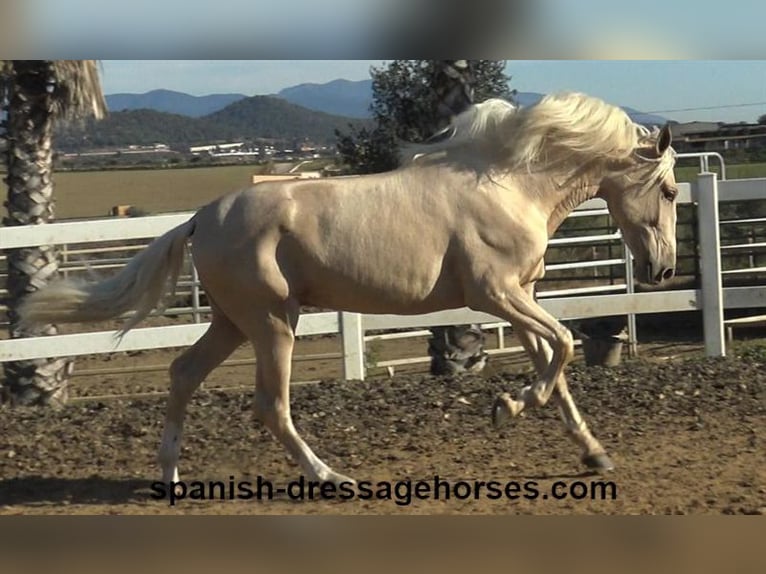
(35, 94)
(413, 100)
(762, 119)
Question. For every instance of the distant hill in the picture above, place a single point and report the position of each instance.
(528, 98)
(246, 119)
(172, 102)
(306, 111)
(349, 98)
(340, 97)
(135, 127)
(645, 119)
(271, 117)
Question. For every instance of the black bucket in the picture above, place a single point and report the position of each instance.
(602, 351)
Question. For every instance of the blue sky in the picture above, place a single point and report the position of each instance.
(692, 44)
(650, 86)
(315, 28)
(672, 28)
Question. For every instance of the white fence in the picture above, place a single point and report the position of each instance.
(706, 192)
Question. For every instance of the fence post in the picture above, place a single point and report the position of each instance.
(352, 335)
(710, 265)
(630, 288)
(195, 293)
(65, 260)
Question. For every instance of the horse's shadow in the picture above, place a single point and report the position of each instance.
(40, 490)
(49, 491)
(564, 475)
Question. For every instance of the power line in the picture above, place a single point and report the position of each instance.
(708, 108)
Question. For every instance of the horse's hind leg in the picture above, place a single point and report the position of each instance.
(186, 374)
(516, 304)
(594, 456)
(273, 336)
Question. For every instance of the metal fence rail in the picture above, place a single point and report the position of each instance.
(704, 159)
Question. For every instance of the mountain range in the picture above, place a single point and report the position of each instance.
(344, 98)
(172, 102)
(244, 119)
(304, 112)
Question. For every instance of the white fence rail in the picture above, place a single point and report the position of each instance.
(711, 299)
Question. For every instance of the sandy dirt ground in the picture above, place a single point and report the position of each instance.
(687, 435)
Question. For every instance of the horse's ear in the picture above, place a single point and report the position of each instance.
(664, 140)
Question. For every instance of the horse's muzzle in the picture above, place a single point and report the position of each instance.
(665, 274)
(657, 274)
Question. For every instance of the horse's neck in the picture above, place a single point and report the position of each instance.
(566, 199)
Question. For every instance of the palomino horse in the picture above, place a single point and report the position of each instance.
(464, 222)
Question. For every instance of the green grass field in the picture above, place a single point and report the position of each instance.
(740, 171)
(93, 193)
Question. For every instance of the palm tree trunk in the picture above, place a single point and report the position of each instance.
(30, 202)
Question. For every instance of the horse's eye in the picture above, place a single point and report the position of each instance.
(669, 193)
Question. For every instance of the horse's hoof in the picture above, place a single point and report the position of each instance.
(504, 409)
(598, 462)
(338, 479)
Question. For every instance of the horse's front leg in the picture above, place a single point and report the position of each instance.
(516, 304)
(593, 454)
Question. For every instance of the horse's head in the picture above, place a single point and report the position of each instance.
(640, 193)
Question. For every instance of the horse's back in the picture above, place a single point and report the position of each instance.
(350, 243)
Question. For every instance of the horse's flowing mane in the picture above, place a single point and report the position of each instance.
(563, 131)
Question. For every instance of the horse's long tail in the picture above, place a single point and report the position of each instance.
(139, 287)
